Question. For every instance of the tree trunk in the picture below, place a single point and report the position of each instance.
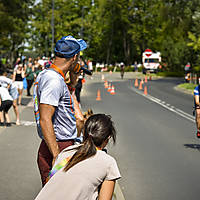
(12, 55)
(128, 53)
(125, 46)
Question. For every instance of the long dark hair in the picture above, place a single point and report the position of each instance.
(97, 129)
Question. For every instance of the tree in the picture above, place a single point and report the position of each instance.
(14, 17)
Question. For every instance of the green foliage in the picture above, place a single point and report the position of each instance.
(187, 86)
(196, 68)
(171, 74)
(115, 30)
(14, 17)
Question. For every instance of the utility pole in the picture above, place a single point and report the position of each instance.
(52, 29)
(82, 17)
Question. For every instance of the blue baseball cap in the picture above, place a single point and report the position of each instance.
(68, 46)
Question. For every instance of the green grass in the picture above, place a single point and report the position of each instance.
(171, 74)
(187, 86)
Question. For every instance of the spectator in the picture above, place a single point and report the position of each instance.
(53, 103)
(6, 102)
(30, 60)
(86, 171)
(16, 63)
(79, 88)
(24, 64)
(42, 61)
(90, 66)
(29, 74)
(135, 66)
(18, 76)
(38, 70)
(8, 83)
(187, 70)
(122, 69)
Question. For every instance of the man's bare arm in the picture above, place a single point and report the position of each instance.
(46, 114)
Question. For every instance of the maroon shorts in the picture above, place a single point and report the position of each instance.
(45, 157)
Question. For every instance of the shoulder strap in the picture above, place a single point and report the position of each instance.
(56, 168)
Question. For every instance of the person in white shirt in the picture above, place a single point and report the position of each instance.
(6, 102)
(85, 171)
(12, 88)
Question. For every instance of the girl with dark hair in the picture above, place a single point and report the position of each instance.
(84, 171)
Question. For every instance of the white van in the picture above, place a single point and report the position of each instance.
(151, 61)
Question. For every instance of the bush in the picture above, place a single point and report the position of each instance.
(129, 69)
(197, 69)
(171, 74)
(188, 86)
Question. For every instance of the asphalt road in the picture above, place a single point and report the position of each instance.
(19, 178)
(156, 150)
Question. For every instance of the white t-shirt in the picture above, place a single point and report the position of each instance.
(50, 88)
(4, 94)
(4, 81)
(90, 67)
(82, 181)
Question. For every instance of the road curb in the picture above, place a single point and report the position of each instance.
(183, 90)
(118, 195)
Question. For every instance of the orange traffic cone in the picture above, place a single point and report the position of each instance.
(145, 90)
(110, 72)
(140, 87)
(106, 84)
(112, 90)
(142, 81)
(98, 95)
(145, 80)
(109, 87)
(136, 82)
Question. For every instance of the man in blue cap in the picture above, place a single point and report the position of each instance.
(53, 103)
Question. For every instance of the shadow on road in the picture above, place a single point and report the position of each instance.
(26, 100)
(192, 146)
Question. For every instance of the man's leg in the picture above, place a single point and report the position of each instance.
(1, 117)
(15, 107)
(45, 158)
(28, 87)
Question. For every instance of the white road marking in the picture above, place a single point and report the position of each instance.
(27, 123)
(166, 105)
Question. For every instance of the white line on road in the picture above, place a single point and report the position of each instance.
(166, 105)
(27, 123)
